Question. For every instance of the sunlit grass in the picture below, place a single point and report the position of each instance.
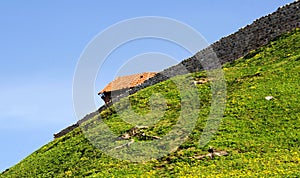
(261, 136)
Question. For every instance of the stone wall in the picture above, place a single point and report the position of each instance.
(227, 49)
(236, 45)
(72, 127)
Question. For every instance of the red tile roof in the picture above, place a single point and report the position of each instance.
(128, 81)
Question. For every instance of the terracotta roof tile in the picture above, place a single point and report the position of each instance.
(128, 81)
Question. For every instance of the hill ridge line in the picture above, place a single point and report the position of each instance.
(227, 49)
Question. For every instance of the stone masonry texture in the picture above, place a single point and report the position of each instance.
(227, 49)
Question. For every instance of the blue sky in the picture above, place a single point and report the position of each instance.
(41, 42)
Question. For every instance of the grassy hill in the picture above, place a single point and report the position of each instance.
(260, 135)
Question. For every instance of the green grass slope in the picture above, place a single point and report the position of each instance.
(261, 136)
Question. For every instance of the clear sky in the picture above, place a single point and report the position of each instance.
(41, 42)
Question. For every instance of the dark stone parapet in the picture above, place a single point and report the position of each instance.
(227, 49)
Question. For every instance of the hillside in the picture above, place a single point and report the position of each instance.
(260, 135)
